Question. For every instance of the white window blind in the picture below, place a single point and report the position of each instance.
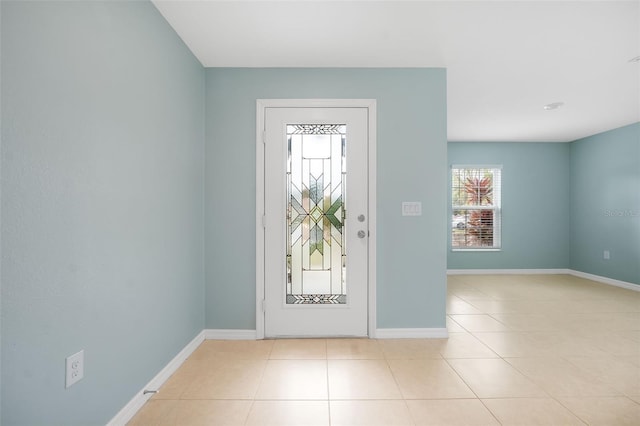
(475, 207)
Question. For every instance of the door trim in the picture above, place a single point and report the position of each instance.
(261, 105)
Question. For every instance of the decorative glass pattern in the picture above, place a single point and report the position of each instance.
(315, 214)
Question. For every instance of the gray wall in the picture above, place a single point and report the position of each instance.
(411, 166)
(605, 204)
(102, 209)
(535, 208)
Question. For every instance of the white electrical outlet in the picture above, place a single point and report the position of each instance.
(607, 255)
(75, 368)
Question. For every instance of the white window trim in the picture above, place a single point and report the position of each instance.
(497, 209)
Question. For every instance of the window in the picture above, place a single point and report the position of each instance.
(475, 207)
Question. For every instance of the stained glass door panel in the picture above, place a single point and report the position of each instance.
(316, 259)
(315, 188)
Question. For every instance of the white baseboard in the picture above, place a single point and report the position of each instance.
(217, 334)
(508, 271)
(605, 280)
(141, 398)
(412, 333)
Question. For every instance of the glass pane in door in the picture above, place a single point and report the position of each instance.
(315, 214)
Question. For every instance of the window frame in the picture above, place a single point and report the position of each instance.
(496, 207)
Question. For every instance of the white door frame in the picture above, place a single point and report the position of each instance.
(261, 105)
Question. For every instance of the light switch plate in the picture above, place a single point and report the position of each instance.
(411, 208)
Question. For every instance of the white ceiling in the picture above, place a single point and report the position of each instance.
(505, 59)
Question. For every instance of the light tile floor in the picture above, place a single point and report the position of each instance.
(523, 350)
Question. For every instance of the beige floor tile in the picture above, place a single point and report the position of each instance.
(516, 306)
(454, 280)
(299, 349)
(528, 322)
(603, 322)
(622, 343)
(237, 349)
(633, 335)
(361, 379)
(212, 413)
(559, 377)
(428, 379)
(294, 380)
(450, 412)
(513, 288)
(468, 293)
(541, 291)
(156, 413)
(454, 327)
(495, 378)
(176, 385)
(289, 413)
(618, 411)
(485, 282)
(227, 379)
(617, 373)
(627, 321)
(455, 305)
(540, 344)
(566, 305)
(531, 412)
(464, 345)
(582, 288)
(354, 349)
(515, 344)
(198, 362)
(604, 305)
(411, 348)
(370, 413)
(481, 322)
(572, 344)
(490, 306)
(631, 359)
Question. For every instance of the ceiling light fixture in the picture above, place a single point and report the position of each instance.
(636, 59)
(552, 106)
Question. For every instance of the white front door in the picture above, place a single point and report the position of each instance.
(316, 221)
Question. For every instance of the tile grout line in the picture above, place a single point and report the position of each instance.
(264, 369)
(463, 380)
(404, 398)
(473, 391)
(326, 353)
